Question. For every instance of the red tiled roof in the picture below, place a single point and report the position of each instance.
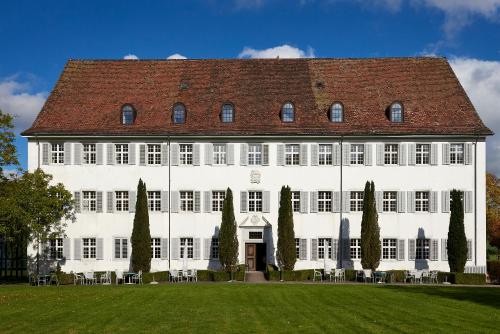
(88, 97)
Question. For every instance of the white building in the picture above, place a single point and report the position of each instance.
(192, 128)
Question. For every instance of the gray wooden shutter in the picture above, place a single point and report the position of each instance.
(445, 201)
(99, 156)
(207, 245)
(434, 154)
(132, 198)
(174, 154)
(446, 154)
(78, 201)
(110, 154)
(77, 154)
(304, 201)
(367, 155)
(266, 201)
(336, 201)
(314, 249)
(411, 201)
(243, 154)
(303, 249)
(346, 154)
(66, 248)
(314, 201)
(411, 249)
(303, 155)
(207, 201)
(164, 248)
(335, 249)
(336, 155)
(196, 154)
(142, 154)
(433, 198)
(99, 248)
(196, 249)
(45, 154)
(67, 153)
(379, 200)
(230, 154)
(209, 154)
(402, 154)
(175, 201)
(401, 249)
(164, 154)
(174, 250)
(265, 155)
(197, 201)
(380, 154)
(434, 251)
(401, 201)
(468, 202)
(280, 155)
(99, 201)
(468, 153)
(131, 154)
(314, 154)
(444, 249)
(243, 201)
(77, 249)
(346, 201)
(412, 151)
(110, 206)
(469, 249)
(164, 201)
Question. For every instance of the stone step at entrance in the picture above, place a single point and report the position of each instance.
(255, 277)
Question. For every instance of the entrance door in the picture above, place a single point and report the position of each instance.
(250, 255)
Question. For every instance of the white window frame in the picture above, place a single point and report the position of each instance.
(56, 249)
(122, 201)
(422, 249)
(154, 200)
(356, 203)
(255, 201)
(218, 197)
(357, 156)
(156, 248)
(389, 249)
(297, 248)
(325, 201)
(292, 154)
(391, 154)
(186, 154)
(153, 154)
(390, 201)
(89, 201)
(295, 201)
(120, 248)
(324, 247)
(89, 248)
(422, 203)
(121, 154)
(219, 154)
(57, 153)
(187, 200)
(457, 154)
(89, 154)
(422, 154)
(255, 154)
(325, 155)
(214, 248)
(186, 248)
(355, 248)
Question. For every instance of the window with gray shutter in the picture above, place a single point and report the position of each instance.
(468, 204)
(411, 249)
(209, 154)
(446, 154)
(196, 249)
(45, 153)
(207, 243)
(303, 154)
(401, 201)
(99, 249)
(444, 249)
(335, 248)
(445, 201)
(77, 159)
(469, 249)
(434, 251)
(368, 155)
(196, 154)
(175, 201)
(230, 154)
(314, 249)
(304, 201)
(197, 201)
(243, 201)
(66, 248)
(336, 155)
(433, 199)
(131, 154)
(266, 201)
(314, 201)
(336, 201)
(314, 154)
(243, 154)
(346, 201)
(412, 153)
(174, 157)
(110, 154)
(164, 248)
(401, 250)
(99, 201)
(175, 248)
(77, 249)
(303, 249)
(378, 200)
(164, 201)
(132, 195)
(207, 201)
(67, 153)
(434, 154)
(402, 154)
(164, 154)
(142, 154)
(265, 155)
(78, 201)
(346, 154)
(380, 154)
(99, 153)
(468, 154)
(280, 154)
(411, 201)
(110, 203)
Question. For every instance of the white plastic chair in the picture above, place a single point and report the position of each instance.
(119, 276)
(367, 275)
(195, 275)
(90, 278)
(339, 275)
(105, 278)
(418, 276)
(137, 278)
(174, 275)
(317, 274)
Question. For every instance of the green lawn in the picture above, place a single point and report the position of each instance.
(246, 308)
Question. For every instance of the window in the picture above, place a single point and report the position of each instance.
(357, 154)
(218, 200)
(391, 154)
(337, 113)
(219, 154)
(422, 249)
(187, 201)
(324, 201)
(456, 154)
(89, 154)
(89, 202)
(186, 152)
(254, 235)
(324, 248)
(121, 152)
(296, 201)
(154, 200)
(121, 248)
(127, 115)
(214, 248)
(396, 112)
(292, 154)
(389, 202)
(355, 249)
(58, 153)
(389, 249)
(422, 201)
(56, 249)
(357, 200)
(423, 154)
(154, 154)
(227, 115)
(186, 251)
(255, 201)
(89, 248)
(297, 248)
(179, 115)
(325, 154)
(287, 112)
(121, 200)
(254, 154)
(155, 248)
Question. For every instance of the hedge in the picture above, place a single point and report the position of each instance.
(494, 271)
(462, 278)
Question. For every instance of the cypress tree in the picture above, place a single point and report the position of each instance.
(141, 237)
(457, 242)
(370, 231)
(228, 240)
(286, 254)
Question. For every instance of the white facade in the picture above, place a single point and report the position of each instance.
(400, 181)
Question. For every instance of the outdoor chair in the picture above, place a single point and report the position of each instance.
(53, 279)
(317, 274)
(409, 275)
(188, 274)
(137, 278)
(426, 276)
(119, 277)
(105, 278)
(174, 275)
(434, 277)
(328, 273)
(180, 275)
(367, 275)
(78, 278)
(195, 275)
(417, 277)
(90, 278)
(339, 275)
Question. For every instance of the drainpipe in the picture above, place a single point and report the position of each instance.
(169, 199)
(38, 151)
(475, 203)
(341, 250)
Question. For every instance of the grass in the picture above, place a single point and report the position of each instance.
(246, 308)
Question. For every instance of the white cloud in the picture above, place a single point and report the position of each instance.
(282, 51)
(176, 56)
(17, 100)
(481, 81)
(130, 57)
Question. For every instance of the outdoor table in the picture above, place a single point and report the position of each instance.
(44, 279)
(381, 276)
(128, 276)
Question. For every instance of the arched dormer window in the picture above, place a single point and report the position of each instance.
(288, 112)
(396, 112)
(179, 114)
(227, 113)
(128, 114)
(337, 113)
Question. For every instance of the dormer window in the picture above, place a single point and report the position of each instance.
(227, 113)
(128, 114)
(287, 112)
(396, 112)
(337, 113)
(179, 114)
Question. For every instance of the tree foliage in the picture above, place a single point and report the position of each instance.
(286, 254)
(8, 155)
(141, 236)
(493, 209)
(457, 241)
(228, 239)
(370, 231)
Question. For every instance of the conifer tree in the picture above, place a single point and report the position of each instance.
(370, 231)
(141, 237)
(457, 242)
(286, 254)
(228, 239)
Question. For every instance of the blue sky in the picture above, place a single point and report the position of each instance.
(38, 37)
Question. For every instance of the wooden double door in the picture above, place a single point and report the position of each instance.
(255, 256)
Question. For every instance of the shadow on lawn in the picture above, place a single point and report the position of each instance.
(481, 295)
